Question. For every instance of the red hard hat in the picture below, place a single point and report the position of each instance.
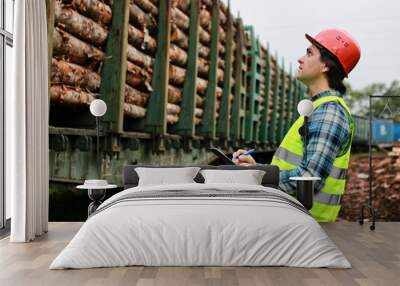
(340, 44)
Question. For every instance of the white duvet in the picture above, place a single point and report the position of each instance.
(200, 231)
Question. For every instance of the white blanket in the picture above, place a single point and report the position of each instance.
(183, 231)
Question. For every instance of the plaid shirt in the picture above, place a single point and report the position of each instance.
(328, 137)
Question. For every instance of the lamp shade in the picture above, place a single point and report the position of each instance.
(305, 107)
(98, 107)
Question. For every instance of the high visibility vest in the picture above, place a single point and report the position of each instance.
(326, 204)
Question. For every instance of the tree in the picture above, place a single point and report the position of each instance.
(358, 100)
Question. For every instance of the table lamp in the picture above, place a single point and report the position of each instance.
(305, 108)
(305, 185)
(98, 108)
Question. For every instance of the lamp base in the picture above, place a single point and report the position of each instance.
(305, 193)
(97, 196)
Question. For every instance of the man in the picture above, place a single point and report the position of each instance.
(333, 53)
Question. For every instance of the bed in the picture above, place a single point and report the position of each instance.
(201, 224)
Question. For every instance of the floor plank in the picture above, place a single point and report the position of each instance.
(374, 255)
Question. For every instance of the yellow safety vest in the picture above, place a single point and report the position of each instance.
(326, 204)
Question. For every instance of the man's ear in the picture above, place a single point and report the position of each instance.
(325, 68)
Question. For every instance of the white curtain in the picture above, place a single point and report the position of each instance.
(27, 124)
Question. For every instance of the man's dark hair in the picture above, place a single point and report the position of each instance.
(335, 74)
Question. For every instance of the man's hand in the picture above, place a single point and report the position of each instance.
(247, 160)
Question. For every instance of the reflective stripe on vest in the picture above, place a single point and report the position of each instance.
(292, 158)
(286, 155)
(328, 199)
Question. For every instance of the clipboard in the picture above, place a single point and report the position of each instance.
(225, 159)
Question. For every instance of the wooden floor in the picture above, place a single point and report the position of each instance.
(375, 256)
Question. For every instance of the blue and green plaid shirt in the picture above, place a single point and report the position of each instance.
(328, 137)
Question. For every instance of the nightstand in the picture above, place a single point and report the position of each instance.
(96, 192)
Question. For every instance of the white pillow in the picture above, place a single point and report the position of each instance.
(164, 176)
(248, 177)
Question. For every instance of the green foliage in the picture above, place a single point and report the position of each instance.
(388, 108)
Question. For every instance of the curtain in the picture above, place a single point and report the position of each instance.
(27, 124)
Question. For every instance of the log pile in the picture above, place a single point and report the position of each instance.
(385, 185)
(279, 112)
(242, 66)
(203, 66)
(263, 101)
(286, 98)
(222, 32)
(141, 49)
(82, 28)
(95, 10)
(271, 88)
(233, 69)
(178, 57)
(80, 33)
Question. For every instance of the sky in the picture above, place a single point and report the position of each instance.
(374, 23)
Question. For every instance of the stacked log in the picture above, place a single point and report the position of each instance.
(138, 77)
(247, 47)
(178, 37)
(63, 94)
(177, 75)
(81, 31)
(94, 9)
(178, 57)
(235, 30)
(286, 107)
(148, 6)
(141, 39)
(279, 114)
(385, 185)
(139, 18)
(72, 49)
(80, 26)
(135, 97)
(203, 65)
(273, 82)
(263, 93)
(79, 36)
(243, 69)
(207, 3)
(278, 102)
(141, 49)
(63, 72)
(222, 33)
(205, 18)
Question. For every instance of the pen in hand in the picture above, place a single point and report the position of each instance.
(249, 152)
